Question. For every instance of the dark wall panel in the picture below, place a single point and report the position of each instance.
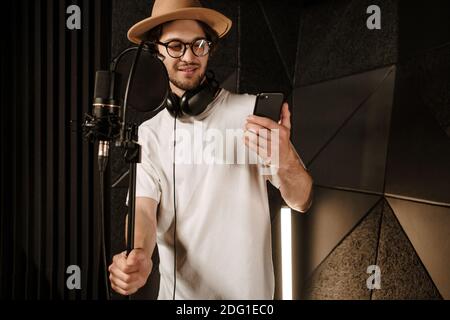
(360, 146)
(225, 60)
(410, 159)
(419, 142)
(418, 38)
(324, 108)
(261, 64)
(336, 42)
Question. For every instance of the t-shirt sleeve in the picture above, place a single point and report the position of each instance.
(148, 182)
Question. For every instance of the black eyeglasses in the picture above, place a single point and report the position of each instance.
(176, 48)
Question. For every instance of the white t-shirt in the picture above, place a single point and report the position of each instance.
(223, 230)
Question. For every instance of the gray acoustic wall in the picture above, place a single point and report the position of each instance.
(371, 120)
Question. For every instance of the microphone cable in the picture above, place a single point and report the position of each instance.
(174, 212)
(102, 234)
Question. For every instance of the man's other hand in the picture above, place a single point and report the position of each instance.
(128, 274)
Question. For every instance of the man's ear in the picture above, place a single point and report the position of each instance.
(160, 56)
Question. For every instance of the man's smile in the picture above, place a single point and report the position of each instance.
(187, 70)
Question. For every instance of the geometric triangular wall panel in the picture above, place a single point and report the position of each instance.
(418, 163)
(342, 275)
(333, 215)
(428, 229)
(403, 275)
(285, 40)
(321, 109)
(260, 44)
(392, 146)
(335, 41)
(358, 150)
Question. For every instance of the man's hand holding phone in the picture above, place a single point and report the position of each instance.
(265, 135)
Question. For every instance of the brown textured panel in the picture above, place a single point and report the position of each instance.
(343, 274)
(402, 273)
(428, 229)
(332, 216)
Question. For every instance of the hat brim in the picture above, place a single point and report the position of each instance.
(214, 19)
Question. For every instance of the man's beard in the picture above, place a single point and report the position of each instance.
(189, 84)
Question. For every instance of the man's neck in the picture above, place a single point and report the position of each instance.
(179, 92)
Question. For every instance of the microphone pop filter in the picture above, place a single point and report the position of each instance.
(150, 84)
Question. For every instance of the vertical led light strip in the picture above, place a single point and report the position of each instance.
(286, 254)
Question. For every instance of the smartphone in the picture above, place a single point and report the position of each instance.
(269, 105)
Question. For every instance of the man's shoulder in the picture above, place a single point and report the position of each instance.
(243, 102)
(232, 97)
(154, 123)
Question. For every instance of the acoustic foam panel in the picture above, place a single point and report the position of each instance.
(332, 216)
(403, 275)
(343, 274)
(428, 229)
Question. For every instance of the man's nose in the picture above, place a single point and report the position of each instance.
(188, 55)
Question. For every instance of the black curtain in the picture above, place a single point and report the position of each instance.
(49, 181)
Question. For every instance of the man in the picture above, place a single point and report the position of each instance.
(217, 212)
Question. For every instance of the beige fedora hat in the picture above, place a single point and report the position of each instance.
(169, 10)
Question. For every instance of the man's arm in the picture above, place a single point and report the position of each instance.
(145, 224)
(295, 182)
(129, 273)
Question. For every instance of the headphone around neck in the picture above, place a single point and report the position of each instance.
(193, 102)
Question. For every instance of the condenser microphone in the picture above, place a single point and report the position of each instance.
(106, 114)
(143, 84)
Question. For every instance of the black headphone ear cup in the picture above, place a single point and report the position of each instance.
(193, 102)
(173, 104)
(185, 107)
(198, 101)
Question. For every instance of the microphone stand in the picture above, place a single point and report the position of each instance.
(132, 154)
(96, 129)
